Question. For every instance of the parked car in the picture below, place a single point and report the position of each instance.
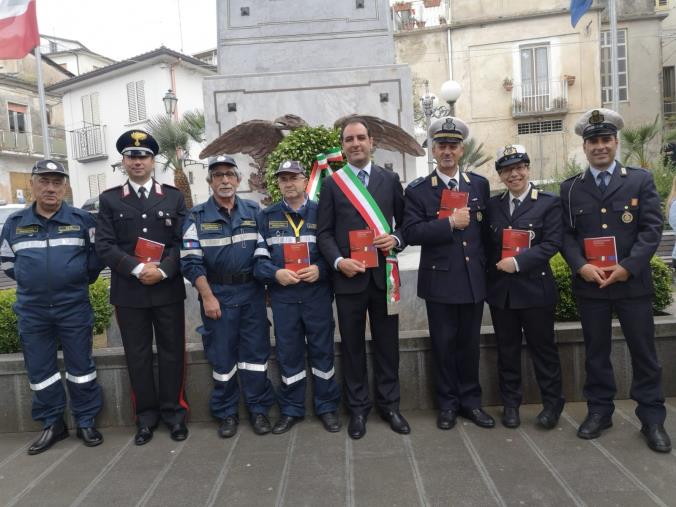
(7, 209)
(91, 205)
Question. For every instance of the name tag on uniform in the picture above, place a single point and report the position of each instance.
(311, 226)
(278, 224)
(248, 223)
(31, 229)
(68, 228)
(210, 226)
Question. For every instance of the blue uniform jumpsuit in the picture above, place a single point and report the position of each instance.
(220, 246)
(302, 311)
(53, 262)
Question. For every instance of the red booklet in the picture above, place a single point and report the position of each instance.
(514, 241)
(601, 252)
(148, 250)
(452, 200)
(362, 249)
(296, 256)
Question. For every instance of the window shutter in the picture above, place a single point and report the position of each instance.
(93, 186)
(86, 109)
(131, 102)
(96, 116)
(141, 99)
(102, 182)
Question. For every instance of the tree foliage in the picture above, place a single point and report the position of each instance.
(636, 143)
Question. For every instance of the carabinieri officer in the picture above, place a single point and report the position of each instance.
(610, 200)
(219, 239)
(521, 291)
(301, 300)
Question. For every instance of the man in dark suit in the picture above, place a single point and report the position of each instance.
(148, 294)
(609, 200)
(451, 276)
(360, 290)
(524, 233)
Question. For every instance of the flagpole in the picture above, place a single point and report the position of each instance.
(614, 77)
(43, 106)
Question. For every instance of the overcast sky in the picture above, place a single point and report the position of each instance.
(120, 29)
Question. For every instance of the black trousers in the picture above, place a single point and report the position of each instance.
(638, 327)
(455, 330)
(167, 402)
(352, 309)
(537, 325)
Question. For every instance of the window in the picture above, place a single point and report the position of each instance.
(17, 117)
(534, 94)
(540, 127)
(136, 101)
(662, 3)
(97, 184)
(90, 109)
(669, 89)
(606, 85)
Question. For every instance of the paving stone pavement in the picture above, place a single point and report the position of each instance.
(308, 466)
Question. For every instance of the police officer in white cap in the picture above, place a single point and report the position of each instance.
(451, 276)
(609, 200)
(525, 232)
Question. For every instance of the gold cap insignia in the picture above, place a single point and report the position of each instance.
(509, 150)
(449, 124)
(596, 117)
(138, 137)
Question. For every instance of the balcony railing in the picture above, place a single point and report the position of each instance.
(29, 143)
(89, 143)
(537, 98)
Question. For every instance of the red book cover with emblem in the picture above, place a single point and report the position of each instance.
(362, 249)
(296, 256)
(601, 252)
(514, 241)
(148, 250)
(452, 200)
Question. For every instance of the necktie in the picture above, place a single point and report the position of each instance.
(142, 193)
(516, 204)
(451, 184)
(602, 181)
(362, 177)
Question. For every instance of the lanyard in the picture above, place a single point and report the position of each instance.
(296, 228)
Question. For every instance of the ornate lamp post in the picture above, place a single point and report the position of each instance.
(450, 92)
(170, 101)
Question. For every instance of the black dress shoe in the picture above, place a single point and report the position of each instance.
(49, 436)
(510, 417)
(657, 438)
(285, 423)
(592, 426)
(331, 421)
(178, 431)
(357, 426)
(90, 436)
(260, 424)
(549, 418)
(228, 427)
(396, 420)
(478, 417)
(446, 419)
(144, 434)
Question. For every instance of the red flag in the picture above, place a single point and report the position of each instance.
(18, 28)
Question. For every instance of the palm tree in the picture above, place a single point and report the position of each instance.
(636, 141)
(174, 138)
(473, 156)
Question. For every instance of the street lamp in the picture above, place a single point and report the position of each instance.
(450, 92)
(170, 101)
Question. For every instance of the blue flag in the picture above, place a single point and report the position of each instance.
(577, 10)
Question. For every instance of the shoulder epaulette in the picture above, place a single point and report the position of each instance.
(169, 186)
(117, 187)
(476, 175)
(416, 182)
(578, 175)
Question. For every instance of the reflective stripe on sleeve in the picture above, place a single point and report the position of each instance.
(67, 242)
(237, 238)
(81, 379)
(194, 251)
(6, 250)
(224, 377)
(22, 245)
(261, 252)
(253, 366)
(295, 378)
(321, 374)
(46, 383)
(191, 233)
(279, 240)
(7, 265)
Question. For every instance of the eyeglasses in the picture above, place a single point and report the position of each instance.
(509, 169)
(220, 176)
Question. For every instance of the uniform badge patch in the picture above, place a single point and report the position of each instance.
(278, 224)
(627, 217)
(479, 216)
(68, 228)
(248, 223)
(210, 226)
(31, 229)
(311, 226)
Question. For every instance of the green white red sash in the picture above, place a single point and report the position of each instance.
(320, 170)
(368, 208)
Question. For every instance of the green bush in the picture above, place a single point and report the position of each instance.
(9, 331)
(566, 309)
(303, 144)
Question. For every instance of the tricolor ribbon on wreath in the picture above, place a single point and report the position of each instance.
(320, 170)
(368, 209)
